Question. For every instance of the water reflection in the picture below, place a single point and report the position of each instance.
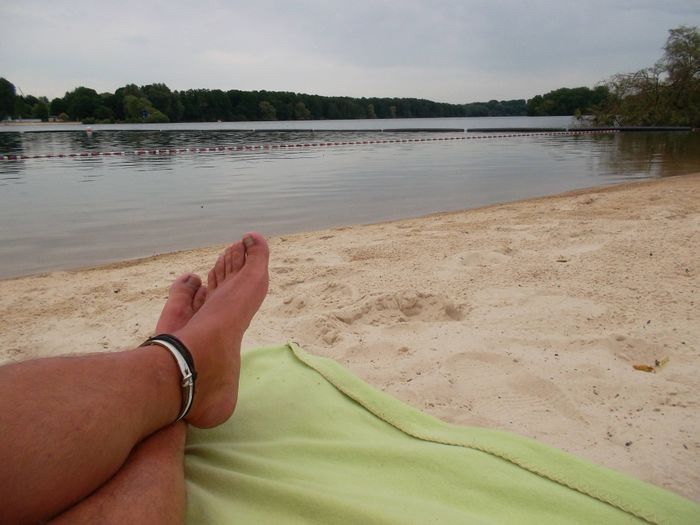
(653, 154)
(12, 174)
(11, 143)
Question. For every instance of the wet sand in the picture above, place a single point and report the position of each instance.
(527, 317)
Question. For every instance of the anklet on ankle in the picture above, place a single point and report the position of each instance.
(185, 363)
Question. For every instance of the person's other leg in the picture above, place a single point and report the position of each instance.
(69, 423)
(150, 487)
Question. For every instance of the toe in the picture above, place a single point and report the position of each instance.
(227, 260)
(237, 256)
(220, 269)
(187, 284)
(193, 281)
(178, 308)
(256, 250)
(199, 298)
(211, 280)
(232, 261)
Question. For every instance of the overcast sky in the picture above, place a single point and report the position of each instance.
(451, 50)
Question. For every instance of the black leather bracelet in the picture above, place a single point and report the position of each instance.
(185, 363)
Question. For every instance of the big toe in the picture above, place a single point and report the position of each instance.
(256, 250)
(179, 307)
(185, 287)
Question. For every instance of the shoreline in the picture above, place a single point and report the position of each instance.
(120, 263)
(526, 316)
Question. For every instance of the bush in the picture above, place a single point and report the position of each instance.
(157, 117)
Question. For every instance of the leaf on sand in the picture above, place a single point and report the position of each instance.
(658, 363)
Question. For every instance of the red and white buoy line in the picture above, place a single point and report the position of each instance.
(291, 145)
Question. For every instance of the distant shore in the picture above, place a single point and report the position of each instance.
(11, 123)
(527, 316)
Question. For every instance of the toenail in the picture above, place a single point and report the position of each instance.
(248, 241)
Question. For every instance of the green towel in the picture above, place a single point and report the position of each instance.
(311, 443)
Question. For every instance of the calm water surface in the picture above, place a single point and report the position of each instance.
(64, 213)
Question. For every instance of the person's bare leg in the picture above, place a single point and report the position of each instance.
(150, 487)
(69, 423)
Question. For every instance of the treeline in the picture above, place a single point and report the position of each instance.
(158, 103)
(567, 101)
(668, 93)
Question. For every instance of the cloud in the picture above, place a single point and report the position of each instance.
(450, 50)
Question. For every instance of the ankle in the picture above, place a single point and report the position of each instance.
(165, 380)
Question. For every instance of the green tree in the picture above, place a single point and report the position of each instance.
(137, 108)
(58, 106)
(681, 58)
(164, 100)
(681, 63)
(637, 98)
(116, 101)
(219, 106)
(301, 112)
(7, 98)
(23, 106)
(267, 111)
(244, 104)
(667, 93)
(160, 97)
(41, 109)
(140, 109)
(104, 113)
(157, 117)
(565, 101)
(82, 102)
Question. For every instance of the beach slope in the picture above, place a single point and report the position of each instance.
(528, 317)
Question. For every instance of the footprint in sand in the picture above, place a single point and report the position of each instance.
(474, 259)
(321, 329)
(291, 306)
(500, 393)
(633, 350)
(329, 295)
(483, 258)
(532, 305)
(387, 309)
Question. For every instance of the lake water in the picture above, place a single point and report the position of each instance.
(70, 212)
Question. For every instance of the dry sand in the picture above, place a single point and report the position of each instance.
(527, 317)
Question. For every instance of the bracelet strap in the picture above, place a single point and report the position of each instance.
(185, 363)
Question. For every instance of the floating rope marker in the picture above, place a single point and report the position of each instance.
(306, 145)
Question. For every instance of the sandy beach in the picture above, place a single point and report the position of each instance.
(527, 317)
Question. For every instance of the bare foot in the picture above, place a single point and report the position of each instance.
(228, 263)
(186, 296)
(237, 287)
